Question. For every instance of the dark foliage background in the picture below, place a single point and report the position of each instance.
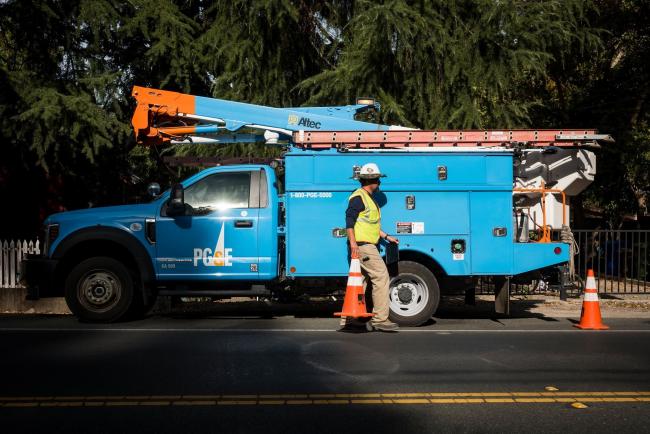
(67, 67)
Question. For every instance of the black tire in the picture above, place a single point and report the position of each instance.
(100, 289)
(414, 294)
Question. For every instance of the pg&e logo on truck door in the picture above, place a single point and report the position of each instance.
(220, 257)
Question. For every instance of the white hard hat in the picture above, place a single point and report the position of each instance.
(370, 171)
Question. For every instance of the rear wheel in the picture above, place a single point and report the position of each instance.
(414, 294)
(99, 289)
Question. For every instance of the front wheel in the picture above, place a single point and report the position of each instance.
(414, 294)
(99, 289)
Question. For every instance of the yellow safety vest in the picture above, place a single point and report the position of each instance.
(366, 228)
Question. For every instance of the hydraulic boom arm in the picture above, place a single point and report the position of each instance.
(162, 116)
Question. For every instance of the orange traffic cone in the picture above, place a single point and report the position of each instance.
(590, 318)
(354, 304)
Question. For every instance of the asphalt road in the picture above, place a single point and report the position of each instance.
(232, 371)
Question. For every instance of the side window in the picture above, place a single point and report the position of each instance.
(220, 191)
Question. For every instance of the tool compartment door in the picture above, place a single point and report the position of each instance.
(491, 232)
(312, 248)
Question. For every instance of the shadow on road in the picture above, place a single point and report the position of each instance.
(450, 308)
(455, 308)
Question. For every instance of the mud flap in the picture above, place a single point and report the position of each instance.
(502, 294)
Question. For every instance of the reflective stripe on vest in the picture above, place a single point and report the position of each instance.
(366, 228)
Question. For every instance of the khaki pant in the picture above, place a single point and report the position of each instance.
(375, 273)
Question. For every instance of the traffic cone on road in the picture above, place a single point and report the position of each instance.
(354, 304)
(590, 318)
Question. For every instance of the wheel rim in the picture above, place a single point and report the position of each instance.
(408, 294)
(99, 291)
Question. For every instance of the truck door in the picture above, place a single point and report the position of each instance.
(218, 241)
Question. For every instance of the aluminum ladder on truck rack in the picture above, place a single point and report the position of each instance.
(422, 140)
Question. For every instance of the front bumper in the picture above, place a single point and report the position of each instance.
(37, 274)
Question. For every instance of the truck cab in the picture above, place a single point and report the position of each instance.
(110, 262)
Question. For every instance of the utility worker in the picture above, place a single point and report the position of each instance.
(363, 226)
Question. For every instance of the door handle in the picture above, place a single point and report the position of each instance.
(243, 223)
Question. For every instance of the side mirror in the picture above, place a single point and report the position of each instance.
(176, 201)
(153, 189)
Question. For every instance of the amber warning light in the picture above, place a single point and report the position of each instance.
(365, 101)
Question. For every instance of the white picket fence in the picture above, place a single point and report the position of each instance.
(12, 255)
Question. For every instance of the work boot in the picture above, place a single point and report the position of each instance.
(384, 326)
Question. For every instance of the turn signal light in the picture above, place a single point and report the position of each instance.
(52, 233)
(557, 250)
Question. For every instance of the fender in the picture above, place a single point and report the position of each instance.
(416, 255)
(118, 236)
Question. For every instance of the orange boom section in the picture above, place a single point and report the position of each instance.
(155, 106)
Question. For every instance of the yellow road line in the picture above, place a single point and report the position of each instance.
(534, 400)
(410, 401)
(325, 396)
(191, 397)
(237, 402)
(555, 397)
(442, 401)
(331, 401)
(70, 404)
(21, 404)
(121, 403)
(195, 402)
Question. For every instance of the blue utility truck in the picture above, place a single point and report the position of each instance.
(278, 229)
